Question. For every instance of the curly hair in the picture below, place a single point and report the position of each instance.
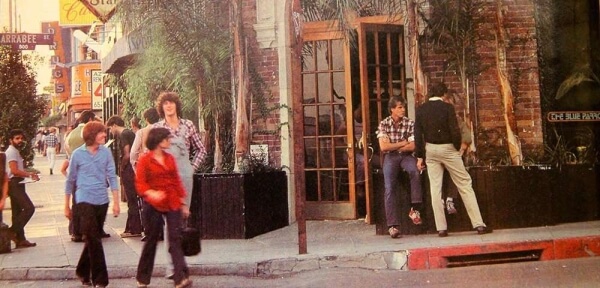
(171, 97)
(155, 136)
(91, 130)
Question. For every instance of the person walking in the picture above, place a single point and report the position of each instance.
(21, 205)
(91, 166)
(51, 142)
(158, 182)
(74, 140)
(438, 140)
(133, 226)
(396, 140)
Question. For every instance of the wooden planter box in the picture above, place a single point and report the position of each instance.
(515, 197)
(239, 206)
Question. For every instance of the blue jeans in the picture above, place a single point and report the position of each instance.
(393, 164)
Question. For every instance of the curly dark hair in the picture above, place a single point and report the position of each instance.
(171, 97)
(155, 136)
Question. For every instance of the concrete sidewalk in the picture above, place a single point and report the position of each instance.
(330, 244)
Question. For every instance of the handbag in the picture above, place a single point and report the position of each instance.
(190, 241)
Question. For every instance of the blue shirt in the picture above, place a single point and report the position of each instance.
(89, 175)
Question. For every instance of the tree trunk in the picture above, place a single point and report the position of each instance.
(419, 80)
(241, 73)
(514, 145)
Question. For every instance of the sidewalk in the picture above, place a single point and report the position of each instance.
(330, 244)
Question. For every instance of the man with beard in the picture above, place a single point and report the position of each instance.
(21, 206)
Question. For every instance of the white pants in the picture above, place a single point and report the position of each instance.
(51, 154)
(438, 157)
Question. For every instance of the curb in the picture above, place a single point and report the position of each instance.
(393, 260)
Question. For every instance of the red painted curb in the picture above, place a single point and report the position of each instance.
(563, 248)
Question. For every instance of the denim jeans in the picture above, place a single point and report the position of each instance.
(393, 164)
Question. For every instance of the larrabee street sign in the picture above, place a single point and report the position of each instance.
(103, 9)
(25, 41)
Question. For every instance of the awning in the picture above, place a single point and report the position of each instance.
(122, 54)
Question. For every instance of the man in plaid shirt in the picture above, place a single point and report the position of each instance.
(50, 145)
(397, 141)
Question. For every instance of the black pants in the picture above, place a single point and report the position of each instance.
(92, 264)
(154, 220)
(134, 217)
(21, 206)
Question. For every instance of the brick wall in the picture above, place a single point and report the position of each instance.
(264, 62)
(522, 66)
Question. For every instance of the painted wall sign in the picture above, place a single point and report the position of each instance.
(74, 13)
(573, 116)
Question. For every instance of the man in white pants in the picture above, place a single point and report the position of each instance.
(50, 144)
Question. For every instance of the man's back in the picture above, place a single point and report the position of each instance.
(75, 139)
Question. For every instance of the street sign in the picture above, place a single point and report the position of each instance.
(25, 41)
(573, 116)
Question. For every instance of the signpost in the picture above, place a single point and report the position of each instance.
(25, 41)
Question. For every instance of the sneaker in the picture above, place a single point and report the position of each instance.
(129, 235)
(415, 216)
(394, 232)
(450, 207)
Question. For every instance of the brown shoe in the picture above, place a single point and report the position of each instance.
(184, 283)
(25, 244)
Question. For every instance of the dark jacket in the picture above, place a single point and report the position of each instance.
(436, 123)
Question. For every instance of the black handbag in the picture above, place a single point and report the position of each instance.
(190, 241)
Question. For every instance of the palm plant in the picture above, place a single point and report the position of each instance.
(188, 51)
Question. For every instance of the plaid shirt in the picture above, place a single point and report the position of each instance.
(404, 131)
(51, 140)
(191, 136)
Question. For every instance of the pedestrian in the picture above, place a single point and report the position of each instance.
(139, 144)
(38, 141)
(51, 142)
(133, 226)
(21, 206)
(438, 141)
(158, 182)
(396, 140)
(135, 124)
(73, 141)
(4, 187)
(91, 166)
(448, 187)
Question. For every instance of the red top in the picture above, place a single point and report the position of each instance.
(150, 174)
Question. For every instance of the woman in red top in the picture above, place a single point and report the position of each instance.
(158, 182)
